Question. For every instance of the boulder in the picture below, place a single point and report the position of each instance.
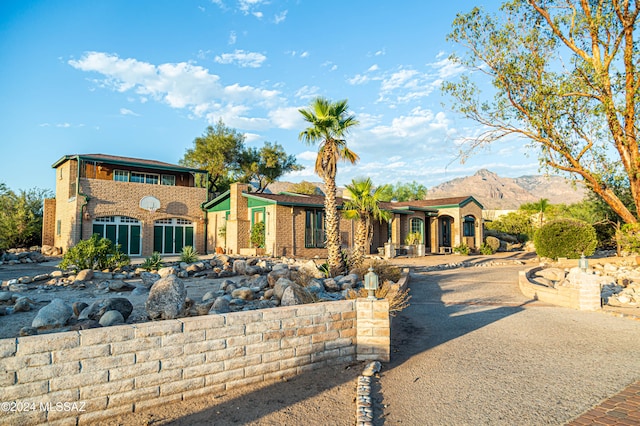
(552, 274)
(166, 271)
(166, 298)
(55, 314)
(492, 242)
(295, 295)
(111, 318)
(239, 267)
(78, 307)
(149, 278)
(97, 309)
(22, 304)
(243, 293)
(220, 306)
(280, 286)
(84, 275)
(277, 273)
(331, 284)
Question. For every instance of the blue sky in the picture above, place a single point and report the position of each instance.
(144, 78)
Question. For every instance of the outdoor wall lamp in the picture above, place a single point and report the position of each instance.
(371, 283)
(583, 263)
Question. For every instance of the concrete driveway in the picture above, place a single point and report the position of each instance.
(472, 350)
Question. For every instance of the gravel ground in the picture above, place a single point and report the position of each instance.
(471, 350)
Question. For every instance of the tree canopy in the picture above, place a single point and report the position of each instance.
(564, 76)
(403, 192)
(265, 165)
(21, 217)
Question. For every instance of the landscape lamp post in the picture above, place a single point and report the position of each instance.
(583, 263)
(371, 283)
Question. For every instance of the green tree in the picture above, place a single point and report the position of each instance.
(564, 77)
(304, 187)
(363, 206)
(538, 207)
(329, 124)
(216, 151)
(21, 217)
(404, 192)
(266, 165)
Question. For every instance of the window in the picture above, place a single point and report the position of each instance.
(144, 178)
(58, 227)
(121, 175)
(169, 180)
(314, 229)
(137, 177)
(417, 226)
(468, 226)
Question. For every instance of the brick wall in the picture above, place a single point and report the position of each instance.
(49, 222)
(116, 370)
(66, 206)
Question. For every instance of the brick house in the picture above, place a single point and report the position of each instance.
(294, 224)
(143, 205)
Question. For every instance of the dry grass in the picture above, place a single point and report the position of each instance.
(388, 274)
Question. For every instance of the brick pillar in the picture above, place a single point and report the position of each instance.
(373, 338)
(589, 292)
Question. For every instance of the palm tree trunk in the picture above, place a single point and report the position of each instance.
(332, 226)
(359, 243)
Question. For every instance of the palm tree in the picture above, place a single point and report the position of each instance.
(364, 206)
(329, 123)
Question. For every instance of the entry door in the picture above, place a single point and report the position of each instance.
(171, 235)
(445, 232)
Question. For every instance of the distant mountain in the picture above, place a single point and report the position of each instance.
(499, 193)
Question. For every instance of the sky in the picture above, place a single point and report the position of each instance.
(144, 78)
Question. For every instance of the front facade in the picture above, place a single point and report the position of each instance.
(142, 205)
(294, 224)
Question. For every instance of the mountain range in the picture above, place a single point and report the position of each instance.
(492, 191)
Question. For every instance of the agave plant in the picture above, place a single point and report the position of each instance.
(152, 262)
(189, 255)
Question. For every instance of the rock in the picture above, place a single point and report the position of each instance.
(280, 286)
(372, 368)
(55, 314)
(220, 306)
(331, 284)
(97, 309)
(119, 285)
(295, 295)
(552, 274)
(251, 270)
(149, 278)
(111, 318)
(85, 275)
(183, 274)
(166, 298)
(268, 294)
(349, 281)
(166, 271)
(25, 280)
(315, 286)
(243, 293)
(277, 273)
(239, 267)
(41, 277)
(310, 268)
(208, 296)
(78, 307)
(260, 281)
(193, 268)
(201, 308)
(5, 296)
(85, 325)
(28, 331)
(22, 304)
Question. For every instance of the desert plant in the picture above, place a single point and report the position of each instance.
(383, 269)
(189, 255)
(94, 253)
(325, 269)
(565, 238)
(257, 235)
(516, 223)
(398, 299)
(486, 249)
(462, 249)
(152, 262)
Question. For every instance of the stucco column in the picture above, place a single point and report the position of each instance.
(238, 224)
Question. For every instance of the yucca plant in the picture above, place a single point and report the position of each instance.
(152, 262)
(189, 255)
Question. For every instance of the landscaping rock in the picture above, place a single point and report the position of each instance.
(278, 272)
(149, 278)
(22, 304)
(280, 286)
(55, 314)
(166, 298)
(111, 318)
(295, 295)
(220, 306)
(243, 293)
(84, 275)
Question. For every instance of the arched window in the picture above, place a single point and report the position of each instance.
(417, 225)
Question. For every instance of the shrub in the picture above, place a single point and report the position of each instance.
(462, 249)
(413, 238)
(257, 235)
(515, 223)
(189, 254)
(486, 249)
(493, 243)
(152, 262)
(94, 253)
(383, 269)
(565, 238)
(629, 238)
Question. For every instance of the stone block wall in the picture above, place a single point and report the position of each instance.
(585, 296)
(89, 375)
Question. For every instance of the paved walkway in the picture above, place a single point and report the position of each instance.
(471, 349)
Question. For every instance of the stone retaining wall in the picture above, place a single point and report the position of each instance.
(586, 296)
(88, 375)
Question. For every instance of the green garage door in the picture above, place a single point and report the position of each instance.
(171, 235)
(122, 230)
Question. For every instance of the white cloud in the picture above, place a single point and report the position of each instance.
(182, 86)
(406, 85)
(287, 118)
(358, 79)
(447, 69)
(307, 92)
(380, 52)
(242, 58)
(258, 15)
(307, 156)
(280, 17)
(304, 54)
(126, 111)
(233, 37)
(373, 67)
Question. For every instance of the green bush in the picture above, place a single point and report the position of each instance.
(257, 235)
(94, 253)
(486, 249)
(629, 238)
(515, 223)
(462, 249)
(565, 238)
(189, 255)
(153, 262)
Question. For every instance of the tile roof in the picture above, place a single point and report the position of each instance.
(287, 199)
(130, 160)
